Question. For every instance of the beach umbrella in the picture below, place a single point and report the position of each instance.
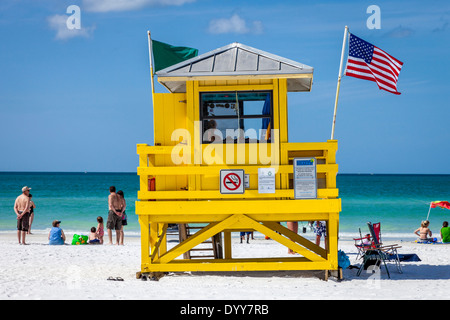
(441, 204)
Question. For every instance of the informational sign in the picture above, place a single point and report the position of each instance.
(305, 178)
(266, 180)
(232, 181)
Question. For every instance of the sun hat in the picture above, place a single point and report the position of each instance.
(55, 223)
(25, 189)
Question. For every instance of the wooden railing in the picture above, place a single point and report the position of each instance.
(324, 152)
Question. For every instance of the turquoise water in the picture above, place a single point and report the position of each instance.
(74, 198)
(399, 202)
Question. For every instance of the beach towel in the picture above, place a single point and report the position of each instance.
(343, 260)
(79, 239)
(434, 241)
(405, 257)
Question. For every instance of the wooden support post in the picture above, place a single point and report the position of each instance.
(145, 240)
(227, 243)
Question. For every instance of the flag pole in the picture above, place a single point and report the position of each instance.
(429, 212)
(150, 54)
(339, 82)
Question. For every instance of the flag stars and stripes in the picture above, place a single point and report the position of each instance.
(368, 62)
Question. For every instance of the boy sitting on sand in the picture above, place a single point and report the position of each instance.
(93, 238)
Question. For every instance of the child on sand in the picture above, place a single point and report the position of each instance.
(100, 229)
(93, 239)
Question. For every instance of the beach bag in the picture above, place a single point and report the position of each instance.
(79, 239)
(343, 260)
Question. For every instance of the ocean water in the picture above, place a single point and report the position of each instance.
(77, 199)
(399, 202)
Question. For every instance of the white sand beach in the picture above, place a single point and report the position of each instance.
(39, 271)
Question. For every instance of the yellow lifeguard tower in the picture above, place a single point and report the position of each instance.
(221, 159)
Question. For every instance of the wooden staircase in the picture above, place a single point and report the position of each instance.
(212, 250)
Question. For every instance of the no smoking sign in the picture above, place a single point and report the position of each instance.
(232, 181)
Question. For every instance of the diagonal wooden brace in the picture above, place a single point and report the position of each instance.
(155, 249)
(200, 236)
(296, 238)
(286, 241)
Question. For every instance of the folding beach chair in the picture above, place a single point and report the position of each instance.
(378, 253)
(389, 250)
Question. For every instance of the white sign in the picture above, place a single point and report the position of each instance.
(305, 178)
(232, 181)
(266, 180)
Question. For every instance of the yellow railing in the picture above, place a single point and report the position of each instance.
(326, 171)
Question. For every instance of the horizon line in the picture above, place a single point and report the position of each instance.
(135, 172)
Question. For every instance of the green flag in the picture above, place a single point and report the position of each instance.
(166, 55)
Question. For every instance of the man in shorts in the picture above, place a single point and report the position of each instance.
(22, 210)
(320, 229)
(114, 215)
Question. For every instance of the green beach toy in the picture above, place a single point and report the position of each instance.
(79, 239)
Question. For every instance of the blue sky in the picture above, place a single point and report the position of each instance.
(80, 100)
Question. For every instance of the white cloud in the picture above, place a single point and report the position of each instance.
(58, 22)
(235, 24)
(128, 5)
(400, 32)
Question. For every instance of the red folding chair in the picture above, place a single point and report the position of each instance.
(389, 250)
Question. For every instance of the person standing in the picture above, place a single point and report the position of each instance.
(124, 215)
(320, 230)
(32, 207)
(114, 215)
(293, 226)
(22, 210)
(100, 229)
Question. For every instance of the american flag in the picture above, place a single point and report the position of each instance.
(366, 61)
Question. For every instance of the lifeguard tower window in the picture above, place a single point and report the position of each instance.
(236, 117)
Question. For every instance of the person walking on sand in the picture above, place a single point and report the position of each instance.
(124, 215)
(32, 207)
(114, 215)
(22, 210)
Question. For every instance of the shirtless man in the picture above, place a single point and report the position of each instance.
(22, 210)
(114, 215)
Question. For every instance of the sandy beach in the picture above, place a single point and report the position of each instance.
(38, 271)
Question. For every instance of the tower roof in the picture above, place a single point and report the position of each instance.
(237, 61)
